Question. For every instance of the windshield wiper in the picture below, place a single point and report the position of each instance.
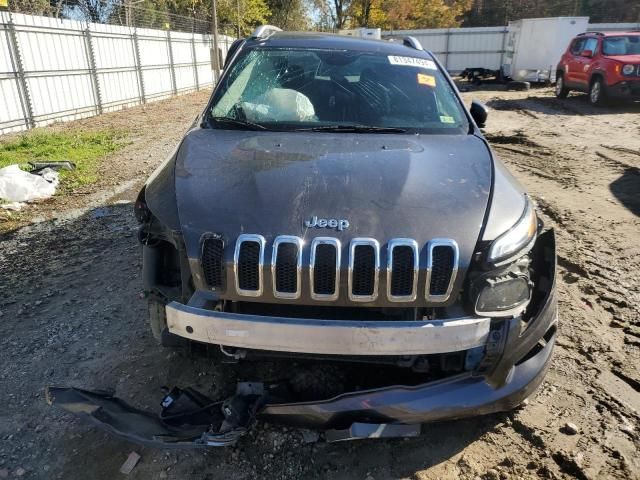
(352, 129)
(239, 123)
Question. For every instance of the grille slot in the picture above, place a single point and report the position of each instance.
(212, 262)
(364, 265)
(286, 262)
(324, 271)
(442, 267)
(248, 260)
(402, 270)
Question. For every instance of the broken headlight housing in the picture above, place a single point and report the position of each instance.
(504, 288)
(505, 293)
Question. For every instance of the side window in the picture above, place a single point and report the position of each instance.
(576, 48)
(590, 44)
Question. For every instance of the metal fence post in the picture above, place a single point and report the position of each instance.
(91, 61)
(174, 86)
(195, 62)
(446, 48)
(505, 34)
(138, 66)
(18, 70)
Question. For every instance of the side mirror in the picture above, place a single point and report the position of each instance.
(587, 53)
(479, 113)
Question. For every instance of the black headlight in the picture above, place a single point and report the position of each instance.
(502, 293)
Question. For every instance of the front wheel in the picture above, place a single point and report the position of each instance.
(561, 89)
(596, 93)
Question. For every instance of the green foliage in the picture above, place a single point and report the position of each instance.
(84, 148)
(289, 15)
(248, 14)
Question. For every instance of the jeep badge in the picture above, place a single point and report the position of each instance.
(316, 222)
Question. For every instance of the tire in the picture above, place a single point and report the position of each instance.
(561, 89)
(597, 95)
(518, 86)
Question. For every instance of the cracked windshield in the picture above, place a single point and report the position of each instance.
(333, 90)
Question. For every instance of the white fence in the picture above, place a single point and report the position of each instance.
(460, 48)
(53, 69)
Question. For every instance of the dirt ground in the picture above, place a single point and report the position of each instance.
(71, 314)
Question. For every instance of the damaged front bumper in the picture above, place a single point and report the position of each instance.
(328, 337)
(517, 356)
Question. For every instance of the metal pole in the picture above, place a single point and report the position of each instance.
(505, 34)
(214, 32)
(172, 67)
(138, 66)
(446, 48)
(238, 5)
(18, 70)
(91, 61)
(195, 61)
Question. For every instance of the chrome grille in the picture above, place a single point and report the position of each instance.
(402, 265)
(212, 261)
(442, 267)
(364, 264)
(402, 270)
(285, 266)
(248, 261)
(325, 268)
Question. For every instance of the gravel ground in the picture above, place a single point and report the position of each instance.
(71, 314)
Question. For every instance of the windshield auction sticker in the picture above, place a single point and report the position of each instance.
(428, 80)
(412, 62)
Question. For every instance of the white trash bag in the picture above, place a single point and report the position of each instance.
(19, 186)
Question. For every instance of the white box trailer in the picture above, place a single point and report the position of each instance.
(534, 46)
(373, 33)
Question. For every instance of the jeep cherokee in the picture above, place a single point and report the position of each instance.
(337, 201)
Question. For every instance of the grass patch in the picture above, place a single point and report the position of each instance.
(84, 148)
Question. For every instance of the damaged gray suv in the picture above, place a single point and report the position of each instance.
(337, 202)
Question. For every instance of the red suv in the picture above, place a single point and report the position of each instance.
(605, 65)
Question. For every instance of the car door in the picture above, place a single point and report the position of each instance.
(584, 64)
(573, 65)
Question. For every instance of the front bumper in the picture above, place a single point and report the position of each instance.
(520, 358)
(327, 337)
(625, 89)
(505, 387)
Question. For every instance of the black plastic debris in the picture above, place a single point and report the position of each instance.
(187, 419)
(37, 167)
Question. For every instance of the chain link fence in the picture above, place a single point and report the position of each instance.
(129, 13)
(61, 66)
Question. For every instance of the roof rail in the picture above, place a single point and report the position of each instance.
(412, 42)
(591, 33)
(263, 31)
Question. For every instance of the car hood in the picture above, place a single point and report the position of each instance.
(387, 186)
(635, 59)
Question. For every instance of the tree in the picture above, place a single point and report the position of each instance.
(97, 11)
(247, 14)
(408, 14)
(289, 14)
(331, 14)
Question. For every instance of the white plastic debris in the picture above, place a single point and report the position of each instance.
(130, 463)
(13, 206)
(19, 186)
